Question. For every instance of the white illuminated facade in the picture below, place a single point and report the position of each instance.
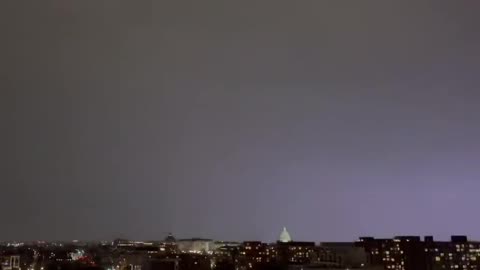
(196, 245)
(10, 263)
(285, 236)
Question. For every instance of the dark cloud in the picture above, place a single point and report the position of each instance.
(234, 120)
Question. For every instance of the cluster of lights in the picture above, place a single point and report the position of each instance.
(77, 254)
(15, 244)
(461, 256)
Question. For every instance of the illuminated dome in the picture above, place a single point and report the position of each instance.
(285, 236)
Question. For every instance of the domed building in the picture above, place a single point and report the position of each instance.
(170, 239)
(284, 236)
(169, 245)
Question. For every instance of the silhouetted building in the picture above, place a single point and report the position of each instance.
(400, 253)
(410, 253)
(226, 254)
(162, 264)
(194, 262)
(374, 249)
(459, 253)
(344, 254)
(253, 255)
(405, 253)
(295, 252)
(169, 245)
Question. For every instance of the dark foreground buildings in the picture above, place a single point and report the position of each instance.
(398, 253)
(413, 253)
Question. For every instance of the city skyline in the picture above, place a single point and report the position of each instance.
(367, 253)
(280, 238)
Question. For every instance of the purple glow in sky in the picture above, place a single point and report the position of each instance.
(232, 120)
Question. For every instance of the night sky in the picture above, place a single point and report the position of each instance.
(232, 119)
